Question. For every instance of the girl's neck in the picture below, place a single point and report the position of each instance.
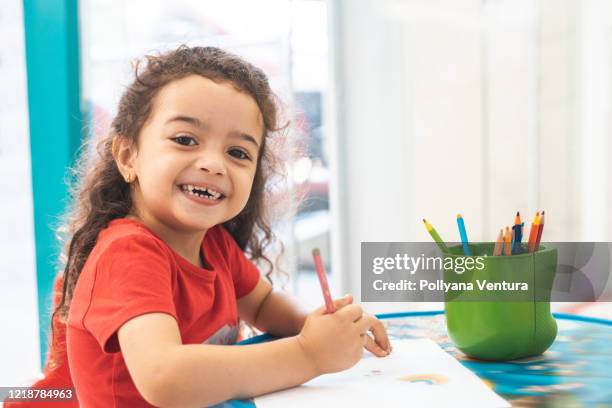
(186, 244)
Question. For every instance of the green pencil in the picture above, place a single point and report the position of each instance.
(434, 234)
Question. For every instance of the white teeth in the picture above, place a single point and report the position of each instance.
(214, 195)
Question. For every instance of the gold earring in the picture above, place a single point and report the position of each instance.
(128, 178)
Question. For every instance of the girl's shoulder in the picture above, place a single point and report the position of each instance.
(131, 238)
(126, 232)
(121, 227)
(126, 225)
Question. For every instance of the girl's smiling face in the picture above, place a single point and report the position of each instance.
(197, 155)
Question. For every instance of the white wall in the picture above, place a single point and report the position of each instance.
(453, 107)
(371, 200)
(19, 348)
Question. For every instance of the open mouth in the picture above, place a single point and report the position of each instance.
(201, 192)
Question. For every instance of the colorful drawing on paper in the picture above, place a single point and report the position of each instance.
(430, 379)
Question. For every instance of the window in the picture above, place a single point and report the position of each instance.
(287, 39)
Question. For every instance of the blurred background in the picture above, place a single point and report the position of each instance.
(407, 108)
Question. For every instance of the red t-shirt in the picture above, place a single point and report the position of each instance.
(131, 272)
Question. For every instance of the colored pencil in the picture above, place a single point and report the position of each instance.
(508, 242)
(518, 234)
(536, 246)
(329, 305)
(463, 234)
(434, 234)
(499, 243)
(533, 232)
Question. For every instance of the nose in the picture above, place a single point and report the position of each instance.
(212, 163)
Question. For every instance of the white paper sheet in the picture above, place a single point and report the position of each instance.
(418, 373)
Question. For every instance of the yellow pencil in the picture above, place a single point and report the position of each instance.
(434, 234)
(533, 232)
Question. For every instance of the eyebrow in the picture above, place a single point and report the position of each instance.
(199, 124)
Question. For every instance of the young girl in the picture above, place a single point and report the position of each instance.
(156, 277)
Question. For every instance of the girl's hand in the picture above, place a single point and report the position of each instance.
(380, 345)
(334, 342)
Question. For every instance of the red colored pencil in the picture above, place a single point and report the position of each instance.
(329, 305)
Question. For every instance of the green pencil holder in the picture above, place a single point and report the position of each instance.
(503, 330)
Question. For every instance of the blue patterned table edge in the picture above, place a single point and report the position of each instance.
(265, 337)
(384, 316)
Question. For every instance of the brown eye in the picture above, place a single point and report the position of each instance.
(184, 140)
(239, 154)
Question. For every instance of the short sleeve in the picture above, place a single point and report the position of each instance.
(244, 273)
(133, 277)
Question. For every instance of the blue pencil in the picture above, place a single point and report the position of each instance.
(464, 239)
(518, 234)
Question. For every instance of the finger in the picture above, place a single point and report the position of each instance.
(343, 301)
(374, 348)
(365, 323)
(371, 323)
(380, 334)
(338, 304)
(352, 312)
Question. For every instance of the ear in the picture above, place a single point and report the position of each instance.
(124, 152)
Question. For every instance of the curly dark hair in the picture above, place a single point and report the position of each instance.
(100, 194)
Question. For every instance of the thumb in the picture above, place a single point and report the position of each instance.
(343, 301)
(338, 304)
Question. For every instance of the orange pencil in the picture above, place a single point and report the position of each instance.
(508, 242)
(539, 234)
(533, 232)
(499, 243)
